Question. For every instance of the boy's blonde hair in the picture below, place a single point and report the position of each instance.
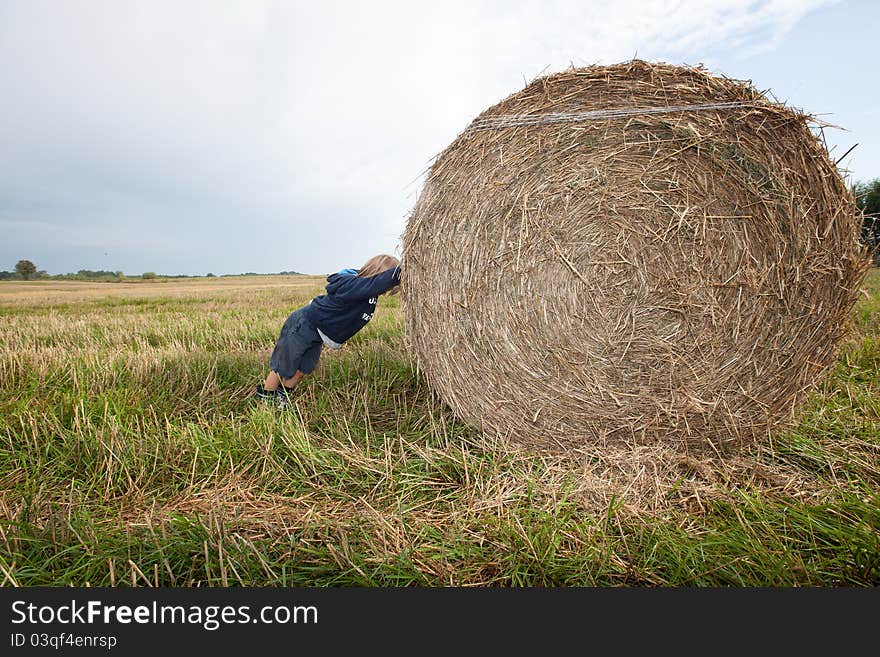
(378, 264)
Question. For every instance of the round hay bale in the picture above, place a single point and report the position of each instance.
(639, 252)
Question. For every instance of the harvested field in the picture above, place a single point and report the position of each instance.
(131, 454)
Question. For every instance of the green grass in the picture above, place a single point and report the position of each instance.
(132, 454)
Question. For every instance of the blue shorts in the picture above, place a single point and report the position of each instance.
(298, 347)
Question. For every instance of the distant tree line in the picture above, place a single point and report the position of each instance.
(25, 270)
(277, 273)
(92, 275)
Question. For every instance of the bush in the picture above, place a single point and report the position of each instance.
(868, 201)
(148, 275)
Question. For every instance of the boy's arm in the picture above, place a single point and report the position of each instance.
(358, 289)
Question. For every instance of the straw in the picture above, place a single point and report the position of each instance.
(640, 271)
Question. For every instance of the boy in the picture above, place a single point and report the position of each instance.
(330, 319)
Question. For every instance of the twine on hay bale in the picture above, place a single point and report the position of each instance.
(639, 252)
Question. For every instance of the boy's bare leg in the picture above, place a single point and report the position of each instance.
(272, 382)
(292, 381)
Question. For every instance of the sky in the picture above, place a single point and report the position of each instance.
(186, 137)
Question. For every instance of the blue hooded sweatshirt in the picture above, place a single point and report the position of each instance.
(349, 303)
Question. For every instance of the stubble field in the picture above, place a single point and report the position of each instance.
(132, 453)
